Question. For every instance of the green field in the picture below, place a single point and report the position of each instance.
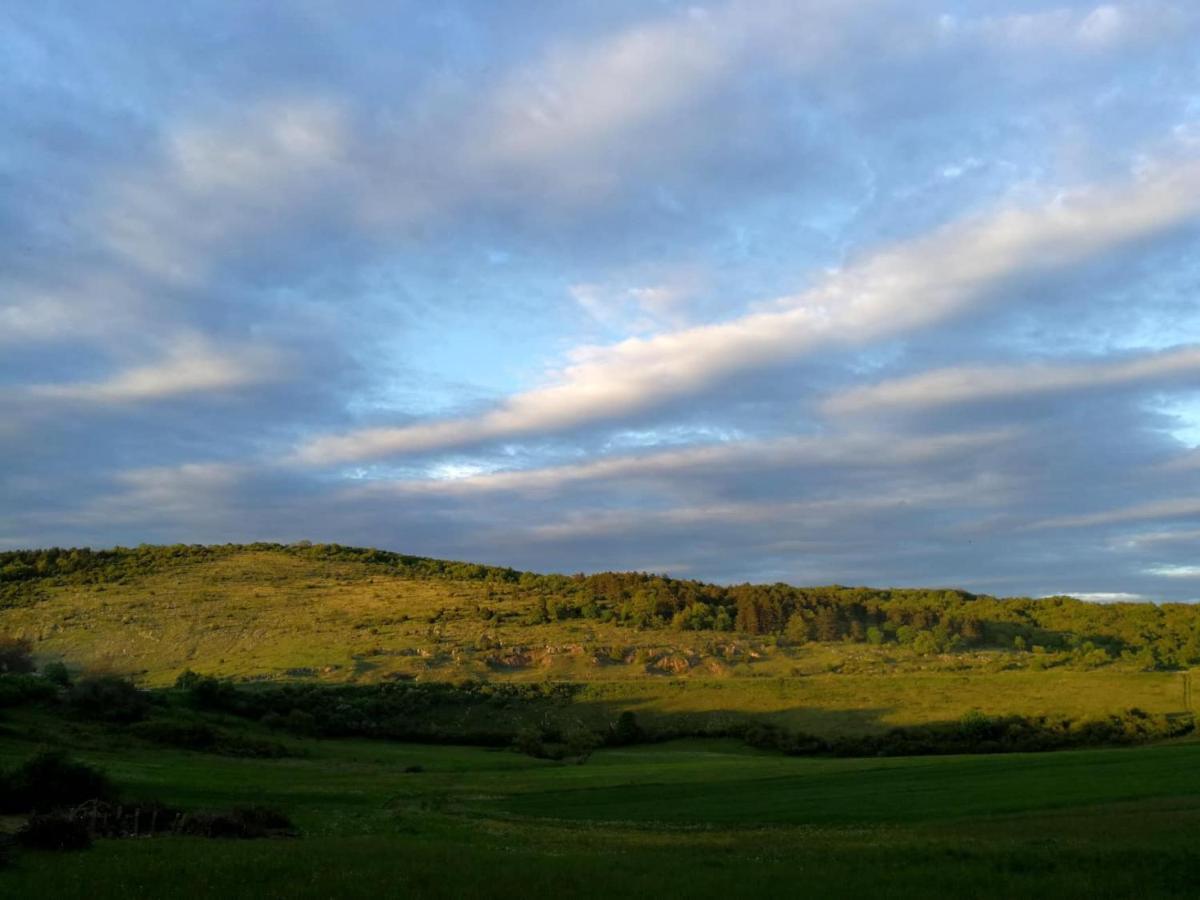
(696, 818)
(454, 653)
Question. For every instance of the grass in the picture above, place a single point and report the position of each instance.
(260, 614)
(697, 818)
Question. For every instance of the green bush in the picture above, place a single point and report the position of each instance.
(239, 822)
(108, 699)
(17, 690)
(57, 673)
(16, 656)
(54, 831)
(51, 780)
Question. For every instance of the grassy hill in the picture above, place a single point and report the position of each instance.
(342, 615)
(320, 649)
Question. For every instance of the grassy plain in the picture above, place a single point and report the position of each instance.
(700, 818)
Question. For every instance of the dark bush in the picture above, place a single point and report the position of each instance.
(207, 692)
(626, 730)
(17, 690)
(239, 822)
(16, 656)
(108, 699)
(51, 780)
(204, 738)
(57, 673)
(54, 831)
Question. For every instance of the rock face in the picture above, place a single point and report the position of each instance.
(670, 664)
(512, 658)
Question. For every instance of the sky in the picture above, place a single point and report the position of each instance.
(886, 292)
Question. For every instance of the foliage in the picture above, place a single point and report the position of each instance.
(16, 656)
(57, 673)
(54, 831)
(16, 690)
(239, 822)
(109, 699)
(978, 733)
(52, 780)
(205, 738)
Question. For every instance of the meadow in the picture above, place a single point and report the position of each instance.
(695, 817)
(303, 652)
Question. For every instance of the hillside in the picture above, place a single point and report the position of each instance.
(826, 660)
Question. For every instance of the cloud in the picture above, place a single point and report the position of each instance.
(1107, 597)
(964, 385)
(861, 451)
(190, 367)
(216, 181)
(1175, 571)
(497, 276)
(912, 285)
(1180, 507)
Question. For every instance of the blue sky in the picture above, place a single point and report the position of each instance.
(894, 293)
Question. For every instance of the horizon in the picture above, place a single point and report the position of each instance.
(820, 293)
(304, 543)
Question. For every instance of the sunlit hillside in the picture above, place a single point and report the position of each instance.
(339, 615)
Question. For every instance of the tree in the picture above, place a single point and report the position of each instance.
(627, 730)
(828, 624)
(16, 656)
(56, 673)
(580, 743)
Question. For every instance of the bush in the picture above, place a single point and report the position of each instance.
(239, 822)
(16, 690)
(54, 831)
(16, 656)
(204, 738)
(51, 780)
(57, 673)
(207, 692)
(626, 730)
(580, 743)
(108, 699)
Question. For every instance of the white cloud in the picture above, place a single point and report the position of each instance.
(220, 179)
(1180, 507)
(944, 387)
(191, 366)
(1175, 571)
(1107, 597)
(912, 285)
(851, 451)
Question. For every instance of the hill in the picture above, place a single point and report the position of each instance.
(826, 660)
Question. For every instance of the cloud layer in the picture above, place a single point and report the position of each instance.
(870, 292)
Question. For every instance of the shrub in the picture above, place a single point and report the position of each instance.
(57, 673)
(108, 699)
(207, 692)
(204, 738)
(16, 690)
(581, 743)
(51, 780)
(239, 822)
(16, 656)
(54, 831)
(626, 730)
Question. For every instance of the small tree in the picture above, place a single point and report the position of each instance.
(56, 673)
(627, 730)
(16, 656)
(581, 743)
